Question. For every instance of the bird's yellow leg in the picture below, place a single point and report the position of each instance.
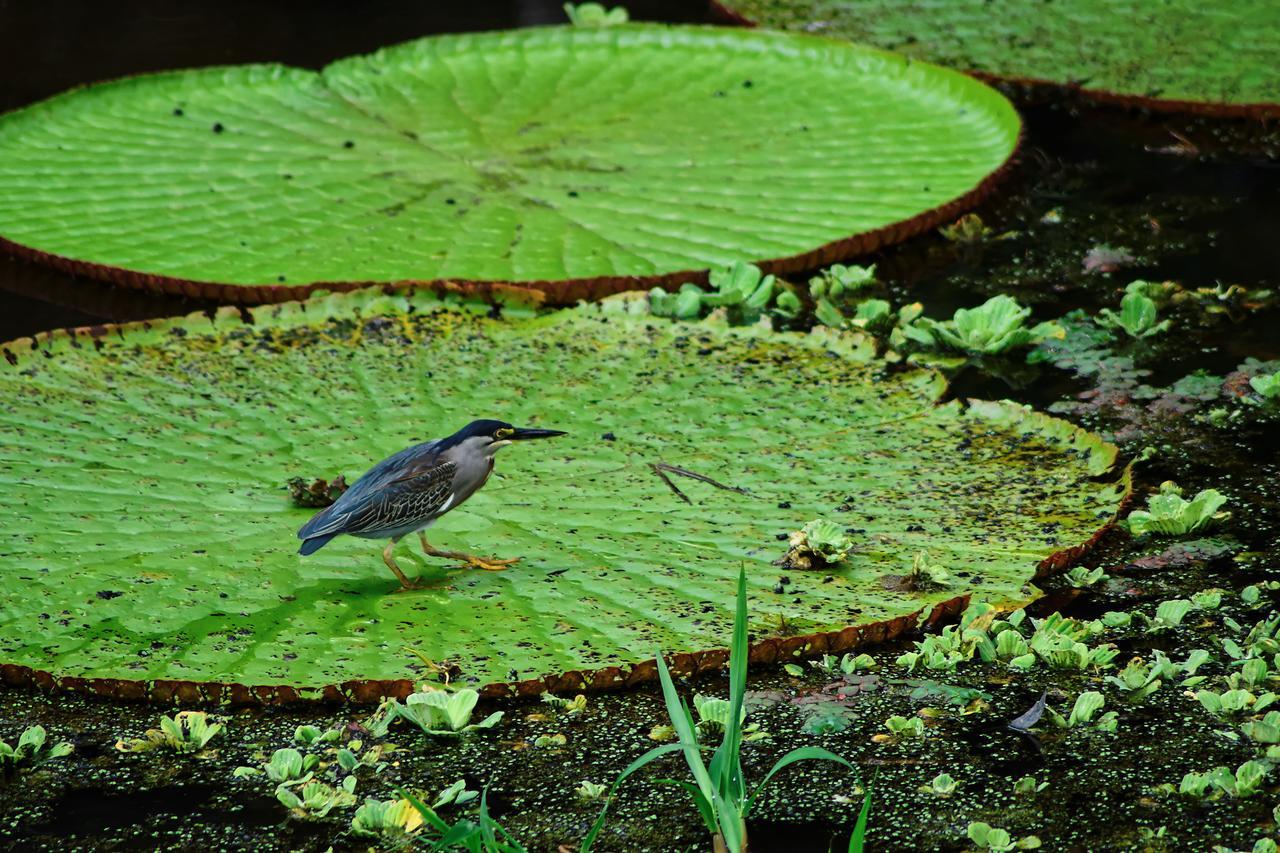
(491, 564)
(405, 583)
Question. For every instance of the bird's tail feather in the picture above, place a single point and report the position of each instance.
(310, 546)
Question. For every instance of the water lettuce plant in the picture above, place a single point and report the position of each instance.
(987, 837)
(719, 790)
(314, 800)
(1086, 706)
(394, 821)
(902, 728)
(1245, 781)
(1137, 317)
(595, 15)
(1082, 578)
(943, 785)
(819, 543)
(1235, 702)
(1170, 514)
(308, 735)
(1266, 386)
(32, 749)
(444, 713)
(994, 327)
(496, 178)
(739, 288)
(185, 731)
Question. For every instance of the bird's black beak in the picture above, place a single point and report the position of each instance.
(522, 434)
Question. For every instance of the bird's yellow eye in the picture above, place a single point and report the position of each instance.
(503, 433)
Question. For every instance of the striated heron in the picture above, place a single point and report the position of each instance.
(407, 492)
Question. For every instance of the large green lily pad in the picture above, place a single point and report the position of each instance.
(148, 534)
(601, 159)
(1184, 54)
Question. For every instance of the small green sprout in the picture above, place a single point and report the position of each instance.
(818, 543)
(902, 728)
(987, 837)
(308, 735)
(440, 713)
(554, 741)
(1082, 713)
(594, 15)
(992, 328)
(32, 749)
(1169, 514)
(186, 731)
(793, 669)
(1137, 317)
(1267, 387)
(1251, 595)
(1082, 578)
(316, 799)
(589, 792)
(942, 785)
(1028, 785)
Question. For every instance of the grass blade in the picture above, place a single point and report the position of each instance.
(651, 755)
(804, 753)
(858, 838)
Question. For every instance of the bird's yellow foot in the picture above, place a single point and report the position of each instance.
(489, 564)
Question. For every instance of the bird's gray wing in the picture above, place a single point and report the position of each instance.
(409, 477)
(417, 494)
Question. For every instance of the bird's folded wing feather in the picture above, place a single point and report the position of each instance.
(412, 482)
(412, 496)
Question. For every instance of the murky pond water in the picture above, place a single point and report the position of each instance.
(1192, 201)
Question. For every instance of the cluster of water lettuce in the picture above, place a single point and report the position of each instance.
(837, 298)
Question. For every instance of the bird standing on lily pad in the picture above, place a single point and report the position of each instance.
(407, 492)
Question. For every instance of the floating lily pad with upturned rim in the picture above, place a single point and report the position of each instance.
(149, 538)
(581, 160)
(1174, 55)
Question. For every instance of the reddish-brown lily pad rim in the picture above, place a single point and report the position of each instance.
(725, 14)
(770, 650)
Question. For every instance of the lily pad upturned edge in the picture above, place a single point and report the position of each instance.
(724, 13)
(769, 650)
(558, 292)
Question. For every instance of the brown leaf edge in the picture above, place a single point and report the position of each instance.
(723, 13)
(557, 292)
(770, 650)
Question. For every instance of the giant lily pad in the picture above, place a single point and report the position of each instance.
(601, 159)
(149, 538)
(1174, 54)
